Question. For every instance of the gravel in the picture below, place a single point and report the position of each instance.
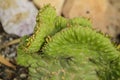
(6, 73)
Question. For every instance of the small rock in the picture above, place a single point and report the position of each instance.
(58, 4)
(18, 16)
(92, 9)
(23, 75)
(104, 14)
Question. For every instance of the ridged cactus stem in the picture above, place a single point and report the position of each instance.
(70, 50)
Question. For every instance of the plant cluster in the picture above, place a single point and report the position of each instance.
(67, 49)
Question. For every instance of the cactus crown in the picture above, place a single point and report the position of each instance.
(70, 50)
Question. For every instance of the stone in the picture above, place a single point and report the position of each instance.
(58, 4)
(114, 20)
(95, 10)
(104, 14)
(18, 16)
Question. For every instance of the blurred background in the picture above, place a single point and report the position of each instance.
(17, 18)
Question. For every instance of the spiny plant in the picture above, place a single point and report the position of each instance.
(67, 49)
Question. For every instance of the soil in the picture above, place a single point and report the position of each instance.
(7, 73)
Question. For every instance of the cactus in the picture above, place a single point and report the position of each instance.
(67, 49)
(44, 26)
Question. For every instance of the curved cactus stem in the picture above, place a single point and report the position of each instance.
(85, 47)
(44, 26)
(71, 50)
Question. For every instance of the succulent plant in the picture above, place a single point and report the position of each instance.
(67, 49)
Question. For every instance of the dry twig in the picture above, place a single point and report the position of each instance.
(2, 59)
(10, 43)
(6, 62)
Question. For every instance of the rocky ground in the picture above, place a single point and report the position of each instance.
(9, 52)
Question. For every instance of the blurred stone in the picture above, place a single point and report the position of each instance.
(93, 9)
(113, 14)
(17, 16)
(58, 4)
(115, 3)
(23, 75)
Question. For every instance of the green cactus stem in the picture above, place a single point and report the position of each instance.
(70, 50)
